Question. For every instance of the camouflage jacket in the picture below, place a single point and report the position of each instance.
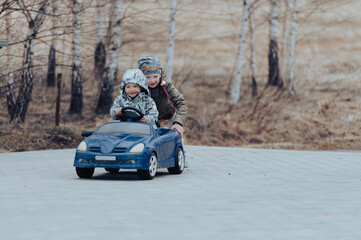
(141, 102)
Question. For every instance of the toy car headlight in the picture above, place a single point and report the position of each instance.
(137, 148)
(82, 147)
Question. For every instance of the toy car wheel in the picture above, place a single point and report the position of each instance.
(84, 172)
(179, 162)
(151, 171)
(112, 170)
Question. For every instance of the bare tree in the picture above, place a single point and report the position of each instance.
(5, 5)
(273, 65)
(292, 42)
(100, 52)
(18, 109)
(171, 35)
(105, 99)
(253, 54)
(10, 95)
(237, 78)
(285, 36)
(76, 103)
(51, 79)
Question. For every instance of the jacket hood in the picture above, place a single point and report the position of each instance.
(134, 76)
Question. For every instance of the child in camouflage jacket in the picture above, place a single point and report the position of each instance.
(134, 92)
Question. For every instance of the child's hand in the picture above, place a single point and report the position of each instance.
(143, 120)
(179, 128)
(118, 111)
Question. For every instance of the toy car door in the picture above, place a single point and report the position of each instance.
(165, 148)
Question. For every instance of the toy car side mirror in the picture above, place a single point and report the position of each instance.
(87, 133)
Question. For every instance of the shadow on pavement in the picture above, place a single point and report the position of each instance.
(122, 175)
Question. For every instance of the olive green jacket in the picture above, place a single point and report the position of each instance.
(166, 106)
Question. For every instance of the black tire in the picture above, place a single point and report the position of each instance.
(152, 169)
(112, 170)
(84, 172)
(179, 162)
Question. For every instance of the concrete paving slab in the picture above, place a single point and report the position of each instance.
(227, 193)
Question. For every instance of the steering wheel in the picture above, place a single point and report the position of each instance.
(131, 114)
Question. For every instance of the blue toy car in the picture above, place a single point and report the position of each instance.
(130, 145)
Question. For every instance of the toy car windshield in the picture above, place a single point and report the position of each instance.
(124, 127)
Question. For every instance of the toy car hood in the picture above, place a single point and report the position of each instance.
(107, 143)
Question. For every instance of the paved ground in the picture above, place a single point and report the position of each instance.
(227, 193)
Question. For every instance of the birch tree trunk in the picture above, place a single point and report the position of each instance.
(100, 52)
(110, 74)
(171, 35)
(51, 78)
(253, 55)
(285, 35)
(10, 95)
(292, 43)
(273, 65)
(237, 78)
(76, 103)
(19, 110)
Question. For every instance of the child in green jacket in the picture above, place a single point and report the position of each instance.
(171, 104)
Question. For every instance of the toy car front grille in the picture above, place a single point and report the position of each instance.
(119, 150)
(94, 149)
(105, 162)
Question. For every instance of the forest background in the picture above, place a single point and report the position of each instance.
(322, 113)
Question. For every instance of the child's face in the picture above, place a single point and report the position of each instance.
(132, 89)
(153, 79)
